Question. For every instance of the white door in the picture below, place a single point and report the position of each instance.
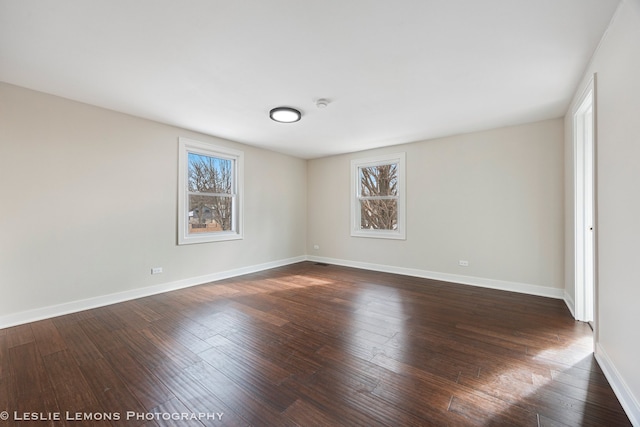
(584, 207)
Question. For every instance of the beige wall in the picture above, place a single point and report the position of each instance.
(617, 64)
(89, 204)
(494, 198)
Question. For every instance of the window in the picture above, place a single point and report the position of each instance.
(378, 197)
(209, 193)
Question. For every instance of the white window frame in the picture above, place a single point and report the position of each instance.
(187, 146)
(356, 164)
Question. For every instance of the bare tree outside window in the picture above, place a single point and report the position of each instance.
(378, 197)
(210, 186)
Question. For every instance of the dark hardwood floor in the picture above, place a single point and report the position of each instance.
(310, 345)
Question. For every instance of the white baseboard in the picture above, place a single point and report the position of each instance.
(75, 306)
(86, 304)
(523, 288)
(571, 305)
(620, 388)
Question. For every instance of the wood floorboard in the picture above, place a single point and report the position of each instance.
(111, 391)
(143, 384)
(253, 381)
(4, 358)
(244, 403)
(307, 414)
(101, 334)
(180, 322)
(28, 375)
(178, 354)
(311, 345)
(174, 406)
(199, 400)
(78, 343)
(19, 335)
(47, 337)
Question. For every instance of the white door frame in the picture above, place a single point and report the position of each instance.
(584, 134)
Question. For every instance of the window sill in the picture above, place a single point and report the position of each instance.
(379, 234)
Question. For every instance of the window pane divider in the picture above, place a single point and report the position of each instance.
(198, 193)
(378, 197)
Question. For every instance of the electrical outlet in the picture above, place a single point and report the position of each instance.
(463, 263)
(156, 270)
(316, 247)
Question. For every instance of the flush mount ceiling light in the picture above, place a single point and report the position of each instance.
(285, 114)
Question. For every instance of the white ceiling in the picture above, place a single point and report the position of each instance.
(394, 71)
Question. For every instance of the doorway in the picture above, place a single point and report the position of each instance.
(584, 137)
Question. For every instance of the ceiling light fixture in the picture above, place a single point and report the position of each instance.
(285, 114)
